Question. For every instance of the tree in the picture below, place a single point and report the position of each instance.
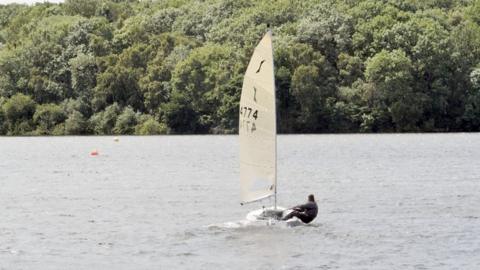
(162, 21)
(311, 94)
(340, 66)
(3, 125)
(84, 70)
(119, 83)
(465, 56)
(47, 116)
(75, 124)
(471, 116)
(180, 117)
(203, 85)
(133, 32)
(86, 8)
(390, 74)
(149, 126)
(473, 12)
(103, 122)
(156, 85)
(350, 69)
(327, 30)
(126, 122)
(18, 108)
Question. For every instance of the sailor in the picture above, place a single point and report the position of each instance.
(305, 212)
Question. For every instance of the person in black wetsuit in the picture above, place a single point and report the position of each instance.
(305, 212)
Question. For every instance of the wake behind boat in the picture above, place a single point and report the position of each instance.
(271, 216)
(266, 214)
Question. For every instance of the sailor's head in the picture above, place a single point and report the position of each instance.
(311, 198)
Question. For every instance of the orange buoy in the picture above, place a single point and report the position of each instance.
(94, 153)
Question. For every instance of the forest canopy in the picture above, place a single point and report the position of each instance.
(176, 66)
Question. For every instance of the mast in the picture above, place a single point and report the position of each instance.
(276, 117)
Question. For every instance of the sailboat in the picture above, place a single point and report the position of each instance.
(258, 131)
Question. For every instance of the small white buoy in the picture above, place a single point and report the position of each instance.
(115, 139)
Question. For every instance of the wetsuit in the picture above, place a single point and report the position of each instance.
(305, 212)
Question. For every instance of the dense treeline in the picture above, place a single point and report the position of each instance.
(176, 66)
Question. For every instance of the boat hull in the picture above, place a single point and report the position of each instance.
(267, 213)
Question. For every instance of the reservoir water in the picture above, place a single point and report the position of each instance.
(409, 201)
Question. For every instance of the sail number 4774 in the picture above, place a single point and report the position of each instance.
(247, 118)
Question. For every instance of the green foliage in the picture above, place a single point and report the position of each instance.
(390, 75)
(3, 124)
(84, 8)
(471, 116)
(162, 21)
(18, 112)
(75, 124)
(47, 116)
(149, 126)
(19, 108)
(202, 85)
(126, 122)
(176, 66)
(83, 71)
(103, 122)
(473, 12)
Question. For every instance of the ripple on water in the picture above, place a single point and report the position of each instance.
(144, 252)
(386, 195)
(186, 235)
(66, 215)
(186, 254)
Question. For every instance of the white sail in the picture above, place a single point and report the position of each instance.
(257, 125)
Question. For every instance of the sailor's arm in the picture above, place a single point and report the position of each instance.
(300, 208)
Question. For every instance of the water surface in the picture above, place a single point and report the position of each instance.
(172, 202)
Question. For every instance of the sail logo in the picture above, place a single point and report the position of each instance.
(260, 67)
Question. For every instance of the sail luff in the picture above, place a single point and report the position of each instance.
(275, 124)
